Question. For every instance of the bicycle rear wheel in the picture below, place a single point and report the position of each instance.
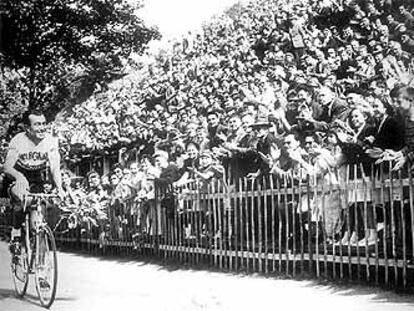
(20, 271)
(46, 267)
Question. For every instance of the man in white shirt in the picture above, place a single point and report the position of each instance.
(30, 156)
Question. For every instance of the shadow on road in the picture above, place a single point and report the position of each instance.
(377, 293)
(10, 293)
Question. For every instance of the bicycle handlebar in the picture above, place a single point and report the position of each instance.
(42, 195)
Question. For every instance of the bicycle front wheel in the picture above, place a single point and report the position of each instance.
(20, 271)
(46, 267)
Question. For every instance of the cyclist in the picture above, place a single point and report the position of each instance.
(30, 155)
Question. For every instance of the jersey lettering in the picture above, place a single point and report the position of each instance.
(33, 157)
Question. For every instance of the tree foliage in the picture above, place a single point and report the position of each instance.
(64, 48)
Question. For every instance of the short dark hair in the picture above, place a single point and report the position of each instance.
(192, 143)
(93, 173)
(304, 87)
(30, 112)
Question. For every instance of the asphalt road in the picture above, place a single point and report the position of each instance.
(89, 283)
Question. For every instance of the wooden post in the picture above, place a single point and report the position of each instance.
(272, 202)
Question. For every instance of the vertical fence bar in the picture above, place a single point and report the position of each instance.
(239, 221)
(348, 219)
(309, 193)
(393, 231)
(189, 224)
(410, 190)
(325, 250)
(331, 196)
(181, 226)
(230, 210)
(197, 229)
(259, 225)
(280, 223)
(202, 223)
(299, 211)
(209, 224)
(237, 215)
(216, 227)
(315, 199)
(186, 224)
(334, 193)
(248, 199)
(385, 250)
(265, 192)
(403, 233)
(356, 222)
(374, 197)
(286, 202)
(221, 223)
(175, 228)
(293, 225)
(252, 219)
(272, 203)
(366, 229)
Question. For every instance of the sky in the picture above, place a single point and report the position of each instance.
(176, 17)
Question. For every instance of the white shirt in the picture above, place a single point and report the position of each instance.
(31, 156)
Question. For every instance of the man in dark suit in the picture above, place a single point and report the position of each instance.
(327, 109)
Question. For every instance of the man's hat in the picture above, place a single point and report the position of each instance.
(261, 122)
(377, 49)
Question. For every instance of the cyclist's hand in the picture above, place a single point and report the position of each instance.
(22, 185)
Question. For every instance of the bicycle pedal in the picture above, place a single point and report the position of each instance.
(15, 248)
(15, 260)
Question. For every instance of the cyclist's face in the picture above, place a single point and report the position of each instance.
(37, 128)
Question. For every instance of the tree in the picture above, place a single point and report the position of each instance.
(64, 48)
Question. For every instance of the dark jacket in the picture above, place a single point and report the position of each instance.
(389, 135)
(325, 115)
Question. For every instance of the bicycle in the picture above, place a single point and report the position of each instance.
(69, 220)
(37, 252)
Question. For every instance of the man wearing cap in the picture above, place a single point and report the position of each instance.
(267, 147)
(406, 17)
(386, 67)
(215, 128)
(208, 168)
(169, 172)
(407, 43)
(405, 103)
(401, 56)
(329, 109)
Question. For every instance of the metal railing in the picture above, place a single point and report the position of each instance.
(295, 225)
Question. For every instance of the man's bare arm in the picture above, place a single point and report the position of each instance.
(54, 160)
(10, 162)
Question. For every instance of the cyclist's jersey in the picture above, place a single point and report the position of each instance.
(33, 160)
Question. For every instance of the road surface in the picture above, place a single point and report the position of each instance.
(89, 283)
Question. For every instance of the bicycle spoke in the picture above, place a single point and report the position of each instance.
(20, 272)
(46, 267)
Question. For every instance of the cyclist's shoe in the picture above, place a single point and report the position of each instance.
(15, 247)
(44, 285)
(15, 250)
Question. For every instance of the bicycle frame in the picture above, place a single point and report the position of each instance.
(34, 220)
(38, 254)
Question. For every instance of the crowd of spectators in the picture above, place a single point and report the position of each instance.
(288, 88)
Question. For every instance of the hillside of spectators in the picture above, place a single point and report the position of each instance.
(256, 54)
(290, 88)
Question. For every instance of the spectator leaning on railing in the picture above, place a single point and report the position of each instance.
(253, 86)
